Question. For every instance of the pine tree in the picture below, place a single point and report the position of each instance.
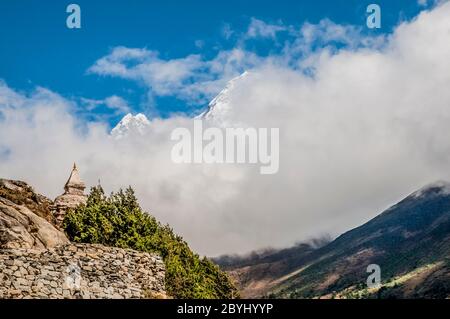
(119, 221)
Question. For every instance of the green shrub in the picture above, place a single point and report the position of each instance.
(119, 221)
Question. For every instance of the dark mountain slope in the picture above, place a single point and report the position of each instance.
(257, 272)
(410, 242)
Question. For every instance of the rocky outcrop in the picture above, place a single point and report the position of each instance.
(20, 193)
(81, 271)
(21, 228)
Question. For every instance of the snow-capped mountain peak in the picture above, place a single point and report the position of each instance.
(220, 105)
(217, 112)
(130, 124)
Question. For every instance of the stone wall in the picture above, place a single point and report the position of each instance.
(80, 271)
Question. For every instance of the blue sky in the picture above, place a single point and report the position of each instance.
(39, 50)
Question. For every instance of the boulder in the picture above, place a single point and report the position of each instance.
(20, 227)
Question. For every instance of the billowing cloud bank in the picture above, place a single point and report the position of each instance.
(359, 128)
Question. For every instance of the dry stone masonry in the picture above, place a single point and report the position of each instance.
(80, 271)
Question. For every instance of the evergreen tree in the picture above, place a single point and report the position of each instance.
(119, 221)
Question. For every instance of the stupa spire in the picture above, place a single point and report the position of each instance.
(74, 184)
(72, 197)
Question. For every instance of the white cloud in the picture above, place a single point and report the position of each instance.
(368, 127)
(427, 3)
(227, 32)
(199, 44)
(259, 28)
(195, 79)
(116, 103)
(190, 78)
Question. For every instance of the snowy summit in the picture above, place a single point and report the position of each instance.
(130, 124)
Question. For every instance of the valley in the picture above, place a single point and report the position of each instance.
(410, 242)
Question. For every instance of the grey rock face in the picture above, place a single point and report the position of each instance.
(21, 228)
